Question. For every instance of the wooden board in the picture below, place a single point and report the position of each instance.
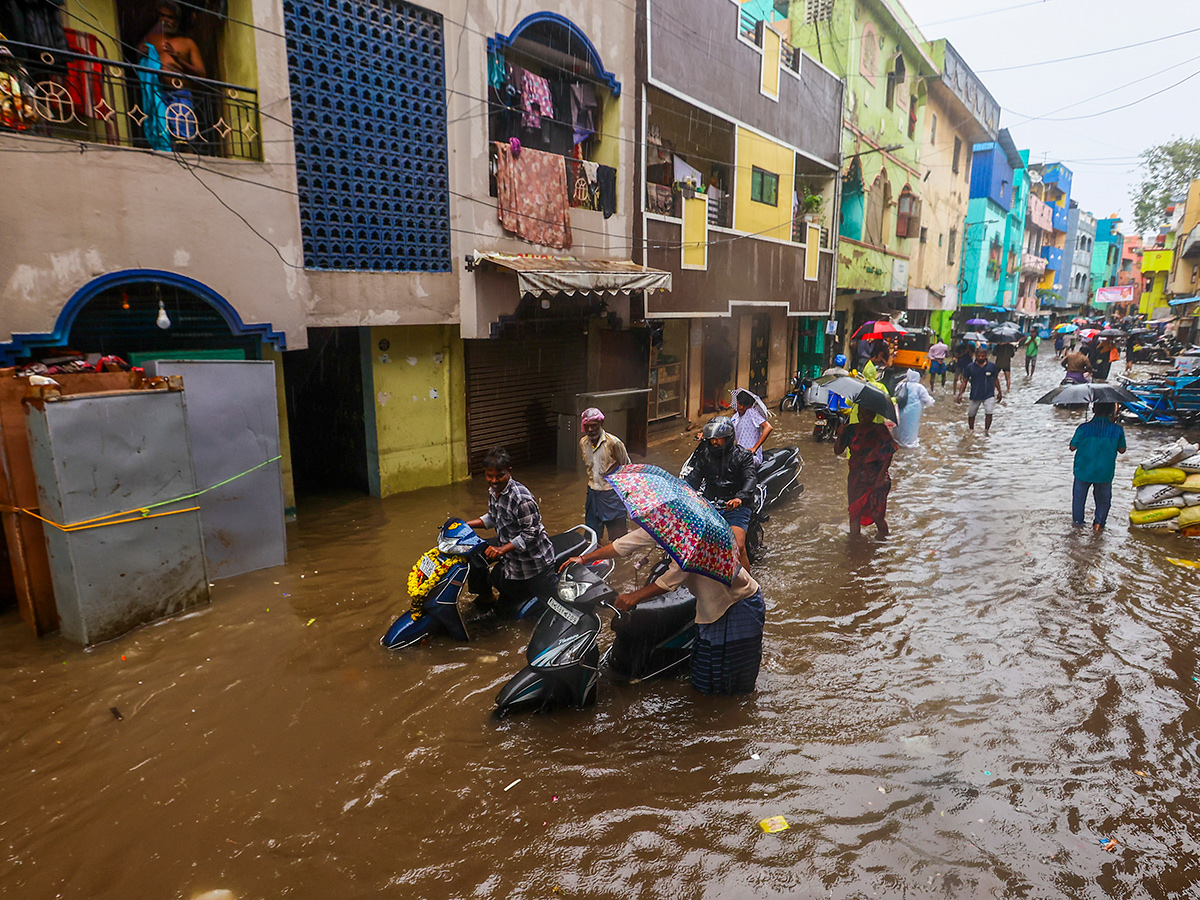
(23, 534)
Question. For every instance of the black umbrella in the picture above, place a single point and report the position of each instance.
(1083, 394)
(868, 396)
(1005, 333)
(1138, 331)
(1112, 333)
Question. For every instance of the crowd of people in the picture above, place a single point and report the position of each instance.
(724, 470)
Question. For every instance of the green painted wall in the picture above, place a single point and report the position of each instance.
(415, 404)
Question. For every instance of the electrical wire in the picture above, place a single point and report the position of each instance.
(1047, 62)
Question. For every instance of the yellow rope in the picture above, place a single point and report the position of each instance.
(143, 512)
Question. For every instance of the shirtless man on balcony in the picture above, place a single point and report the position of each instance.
(178, 54)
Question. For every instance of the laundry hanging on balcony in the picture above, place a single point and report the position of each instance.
(532, 197)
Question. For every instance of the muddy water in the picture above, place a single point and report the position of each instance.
(960, 712)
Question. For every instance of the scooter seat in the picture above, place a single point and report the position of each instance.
(566, 545)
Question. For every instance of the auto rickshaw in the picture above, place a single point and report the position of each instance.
(912, 350)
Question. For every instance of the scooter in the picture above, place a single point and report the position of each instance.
(563, 657)
(437, 580)
(778, 476)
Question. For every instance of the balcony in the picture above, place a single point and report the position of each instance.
(1059, 217)
(1053, 257)
(1031, 264)
(78, 96)
(1040, 214)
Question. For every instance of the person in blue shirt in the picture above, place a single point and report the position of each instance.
(1096, 444)
(984, 378)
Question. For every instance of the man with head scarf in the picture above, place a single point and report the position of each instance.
(602, 454)
(750, 425)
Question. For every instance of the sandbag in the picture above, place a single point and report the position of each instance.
(1165, 456)
(1191, 483)
(1190, 531)
(1190, 498)
(1189, 516)
(1161, 475)
(1166, 525)
(1164, 503)
(1149, 493)
(1146, 516)
(1189, 463)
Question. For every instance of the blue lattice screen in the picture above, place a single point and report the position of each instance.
(368, 88)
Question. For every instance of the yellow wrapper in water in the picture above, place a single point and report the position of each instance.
(774, 824)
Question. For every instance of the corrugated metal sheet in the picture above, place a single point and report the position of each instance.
(510, 383)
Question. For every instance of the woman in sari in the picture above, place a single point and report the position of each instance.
(871, 449)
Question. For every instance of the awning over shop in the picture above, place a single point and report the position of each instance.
(984, 306)
(568, 275)
(1181, 301)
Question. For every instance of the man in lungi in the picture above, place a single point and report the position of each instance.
(602, 454)
(727, 652)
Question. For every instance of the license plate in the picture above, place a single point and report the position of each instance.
(570, 615)
(427, 565)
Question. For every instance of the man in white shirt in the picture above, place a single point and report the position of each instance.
(602, 453)
(937, 361)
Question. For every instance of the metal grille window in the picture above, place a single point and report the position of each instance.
(369, 107)
(818, 11)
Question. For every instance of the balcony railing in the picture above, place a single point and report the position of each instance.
(789, 56)
(91, 98)
(1032, 264)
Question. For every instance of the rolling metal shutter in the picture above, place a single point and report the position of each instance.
(510, 383)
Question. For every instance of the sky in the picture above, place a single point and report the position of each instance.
(1101, 149)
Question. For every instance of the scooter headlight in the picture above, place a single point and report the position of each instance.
(568, 591)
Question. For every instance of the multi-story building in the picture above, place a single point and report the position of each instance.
(1130, 273)
(1039, 227)
(1079, 243)
(881, 54)
(959, 114)
(437, 231)
(995, 226)
(1106, 264)
(1051, 183)
(738, 200)
(1185, 271)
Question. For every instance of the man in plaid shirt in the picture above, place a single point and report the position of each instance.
(526, 556)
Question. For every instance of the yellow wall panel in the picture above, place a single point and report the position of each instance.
(695, 232)
(751, 216)
(772, 45)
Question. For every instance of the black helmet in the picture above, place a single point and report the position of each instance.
(719, 427)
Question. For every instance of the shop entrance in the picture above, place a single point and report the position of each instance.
(760, 350)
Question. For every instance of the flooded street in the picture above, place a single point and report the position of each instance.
(966, 710)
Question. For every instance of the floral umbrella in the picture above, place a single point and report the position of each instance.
(679, 519)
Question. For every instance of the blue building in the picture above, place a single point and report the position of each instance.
(995, 226)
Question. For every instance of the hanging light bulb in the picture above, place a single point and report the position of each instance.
(124, 300)
(163, 321)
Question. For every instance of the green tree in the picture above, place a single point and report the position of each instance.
(1168, 170)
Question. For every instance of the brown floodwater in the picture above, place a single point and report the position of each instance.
(966, 710)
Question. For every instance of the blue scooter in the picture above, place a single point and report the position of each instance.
(441, 574)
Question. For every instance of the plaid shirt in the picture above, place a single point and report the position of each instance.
(515, 516)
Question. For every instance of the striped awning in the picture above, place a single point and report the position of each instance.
(568, 275)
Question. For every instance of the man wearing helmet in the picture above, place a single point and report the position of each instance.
(602, 454)
(727, 475)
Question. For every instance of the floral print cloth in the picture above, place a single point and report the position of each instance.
(535, 100)
(532, 198)
(679, 519)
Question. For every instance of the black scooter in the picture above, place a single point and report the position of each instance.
(829, 423)
(563, 660)
(778, 476)
(793, 400)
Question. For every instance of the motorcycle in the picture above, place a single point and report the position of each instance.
(829, 423)
(563, 660)
(778, 476)
(437, 580)
(793, 400)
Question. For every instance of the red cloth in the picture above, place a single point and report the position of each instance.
(868, 481)
(532, 198)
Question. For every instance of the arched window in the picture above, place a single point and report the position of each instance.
(869, 61)
(878, 199)
(895, 80)
(908, 213)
